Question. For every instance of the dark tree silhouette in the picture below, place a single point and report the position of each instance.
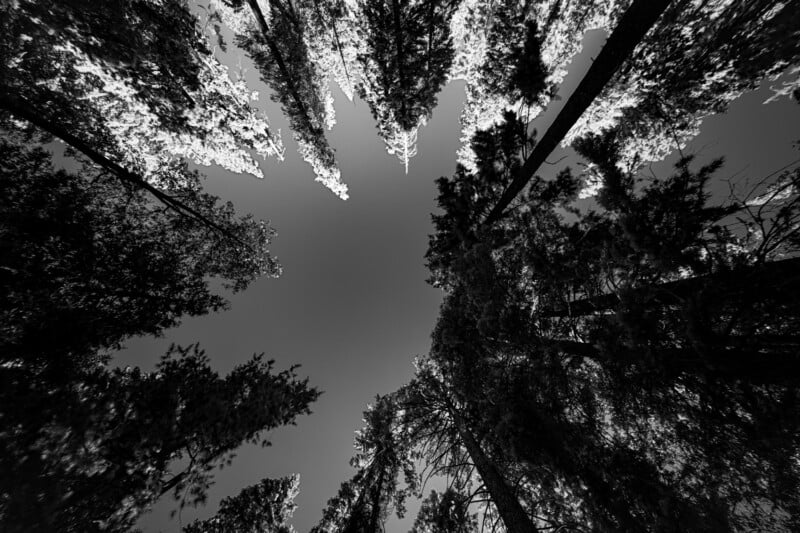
(445, 512)
(364, 502)
(120, 264)
(406, 62)
(632, 27)
(94, 453)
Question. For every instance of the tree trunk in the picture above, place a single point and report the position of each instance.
(22, 109)
(511, 511)
(375, 515)
(632, 27)
(777, 274)
(746, 365)
(278, 56)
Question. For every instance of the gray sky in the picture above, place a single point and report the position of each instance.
(352, 306)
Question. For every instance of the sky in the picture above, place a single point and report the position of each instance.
(352, 306)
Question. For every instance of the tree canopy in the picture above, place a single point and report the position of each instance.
(615, 350)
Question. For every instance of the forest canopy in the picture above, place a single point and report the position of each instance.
(616, 349)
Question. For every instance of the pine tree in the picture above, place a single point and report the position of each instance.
(407, 55)
(120, 264)
(276, 41)
(136, 81)
(363, 503)
(92, 454)
(265, 507)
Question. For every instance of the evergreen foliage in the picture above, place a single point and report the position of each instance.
(264, 507)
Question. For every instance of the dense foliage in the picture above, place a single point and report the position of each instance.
(614, 351)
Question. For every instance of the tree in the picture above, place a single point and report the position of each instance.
(332, 40)
(721, 51)
(136, 81)
(525, 80)
(95, 452)
(276, 43)
(265, 507)
(121, 264)
(632, 27)
(408, 52)
(363, 502)
(428, 398)
(623, 363)
(493, 46)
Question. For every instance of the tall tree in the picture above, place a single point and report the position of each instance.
(721, 51)
(136, 81)
(265, 507)
(514, 55)
(275, 40)
(120, 263)
(429, 396)
(363, 503)
(407, 55)
(640, 409)
(632, 27)
(332, 40)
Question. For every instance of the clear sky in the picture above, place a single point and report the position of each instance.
(352, 306)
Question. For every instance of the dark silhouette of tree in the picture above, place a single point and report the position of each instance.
(646, 406)
(364, 502)
(119, 263)
(514, 67)
(266, 506)
(92, 454)
(406, 62)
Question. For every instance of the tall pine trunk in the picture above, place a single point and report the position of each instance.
(279, 60)
(511, 511)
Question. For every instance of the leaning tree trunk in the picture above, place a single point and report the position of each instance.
(281, 62)
(511, 511)
(20, 108)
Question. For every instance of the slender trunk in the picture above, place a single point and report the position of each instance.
(375, 515)
(511, 511)
(279, 60)
(352, 524)
(632, 27)
(337, 41)
(22, 109)
(777, 274)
